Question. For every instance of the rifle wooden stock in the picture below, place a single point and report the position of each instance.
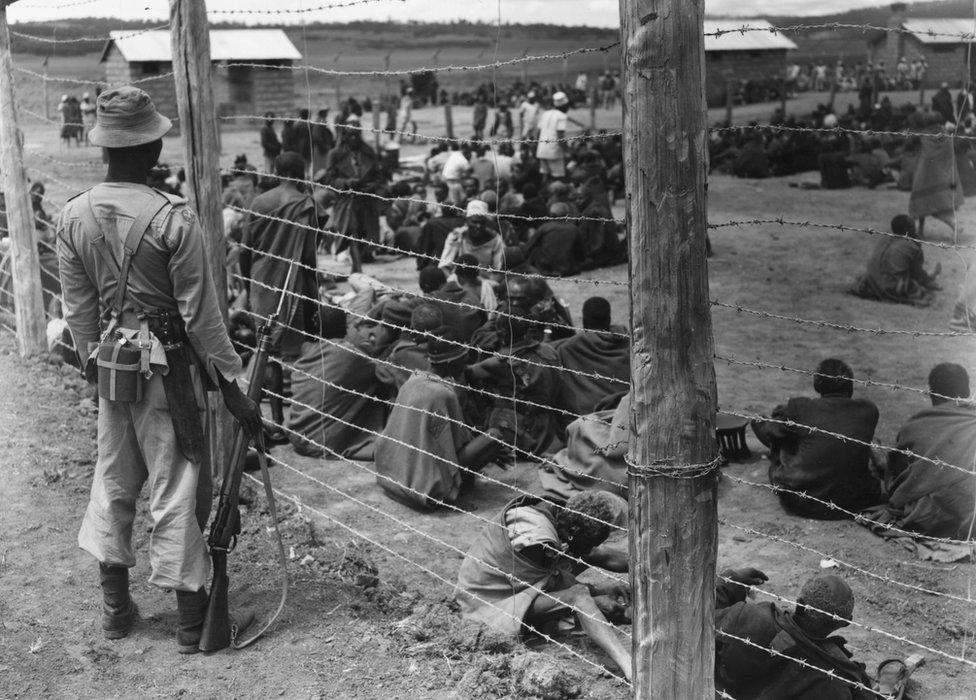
(226, 525)
(216, 625)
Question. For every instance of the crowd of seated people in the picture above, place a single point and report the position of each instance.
(479, 362)
(869, 145)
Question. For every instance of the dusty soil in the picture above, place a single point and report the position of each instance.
(343, 633)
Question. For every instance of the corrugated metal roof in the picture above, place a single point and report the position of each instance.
(757, 36)
(941, 31)
(225, 45)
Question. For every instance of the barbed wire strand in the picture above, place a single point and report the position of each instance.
(868, 628)
(301, 505)
(823, 555)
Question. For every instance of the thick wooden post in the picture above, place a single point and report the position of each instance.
(673, 531)
(25, 266)
(190, 41)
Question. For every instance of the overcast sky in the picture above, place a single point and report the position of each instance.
(592, 12)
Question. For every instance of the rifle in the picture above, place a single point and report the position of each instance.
(218, 630)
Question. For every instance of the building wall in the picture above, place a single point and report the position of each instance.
(116, 68)
(946, 62)
(274, 91)
(237, 91)
(721, 66)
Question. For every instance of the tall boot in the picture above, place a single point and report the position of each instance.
(192, 608)
(119, 613)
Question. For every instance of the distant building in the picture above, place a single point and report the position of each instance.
(944, 43)
(755, 54)
(251, 89)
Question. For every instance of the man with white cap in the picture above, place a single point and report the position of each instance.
(551, 149)
(475, 238)
(354, 169)
(135, 275)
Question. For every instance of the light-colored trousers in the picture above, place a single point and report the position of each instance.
(137, 445)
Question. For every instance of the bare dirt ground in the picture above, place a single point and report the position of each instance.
(342, 634)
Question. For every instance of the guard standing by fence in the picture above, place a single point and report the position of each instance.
(138, 256)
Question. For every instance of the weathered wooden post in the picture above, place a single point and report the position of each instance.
(338, 83)
(673, 531)
(594, 98)
(448, 119)
(25, 265)
(190, 42)
(377, 125)
(729, 101)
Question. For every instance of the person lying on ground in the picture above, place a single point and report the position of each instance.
(332, 383)
(896, 271)
(524, 374)
(928, 498)
(804, 634)
(426, 453)
(593, 458)
(808, 460)
(409, 353)
(520, 573)
(600, 348)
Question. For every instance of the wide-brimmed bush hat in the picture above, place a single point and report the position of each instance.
(126, 116)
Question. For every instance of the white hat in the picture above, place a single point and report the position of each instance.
(559, 99)
(476, 208)
(830, 121)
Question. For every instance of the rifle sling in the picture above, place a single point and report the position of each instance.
(282, 558)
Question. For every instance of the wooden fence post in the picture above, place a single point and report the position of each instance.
(729, 101)
(377, 106)
(192, 70)
(448, 119)
(673, 530)
(25, 265)
(594, 98)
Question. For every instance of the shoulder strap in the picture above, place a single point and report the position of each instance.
(133, 239)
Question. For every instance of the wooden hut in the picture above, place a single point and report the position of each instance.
(756, 54)
(258, 87)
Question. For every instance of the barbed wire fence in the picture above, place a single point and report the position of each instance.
(41, 167)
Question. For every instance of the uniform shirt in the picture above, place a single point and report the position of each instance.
(169, 272)
(551, 123)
